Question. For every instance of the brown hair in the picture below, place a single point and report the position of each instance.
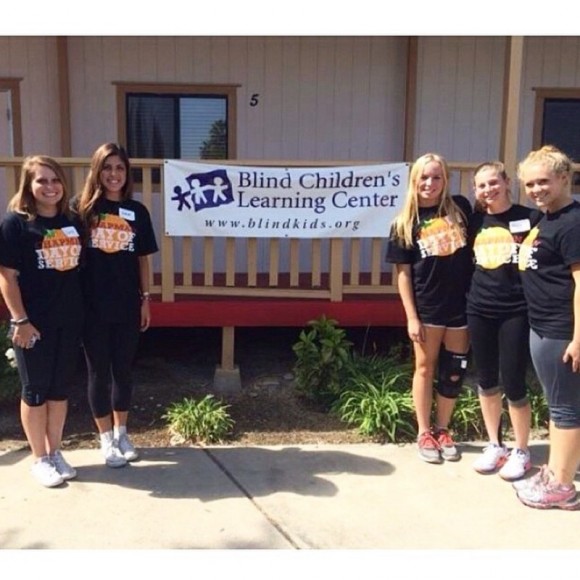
(500, 168)
(23, 201)
(93, 189)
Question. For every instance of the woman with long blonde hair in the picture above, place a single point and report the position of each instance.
(432, 265)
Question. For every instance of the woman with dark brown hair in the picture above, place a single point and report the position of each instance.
(119, 238)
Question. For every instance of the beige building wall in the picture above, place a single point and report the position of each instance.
(320, 98)
(549, 62)
(459, 97)
(34, 59)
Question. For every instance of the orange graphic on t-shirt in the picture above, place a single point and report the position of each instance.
(494, 247)
(527, 250)
(439, 237)
(58, 251)
(112, 234)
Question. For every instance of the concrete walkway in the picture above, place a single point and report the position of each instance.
(283, 497)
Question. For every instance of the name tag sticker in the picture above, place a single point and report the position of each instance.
(127, 214)
(70, 232)
(520, 226)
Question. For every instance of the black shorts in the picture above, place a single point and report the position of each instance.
(455, 321)
(47, 370)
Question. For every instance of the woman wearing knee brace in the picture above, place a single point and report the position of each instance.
(498, 320)
(433, 265)
(40, 252)
(550, 267)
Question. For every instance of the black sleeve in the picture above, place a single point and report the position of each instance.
(396, 252)
(10, 241)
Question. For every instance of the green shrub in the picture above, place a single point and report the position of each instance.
(322, 361)
(467, 420)
(379, 369)
(9, 383)
(383, 411)
(199, 421)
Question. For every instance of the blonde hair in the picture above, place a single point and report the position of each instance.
(409, 215)
(23, 202)
(93, 189)
(500, 169)
(553, 159)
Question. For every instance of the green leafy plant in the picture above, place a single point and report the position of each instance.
(467, 420)
(322, 361)
(199, 421)
(379, 369)
(383, 411)
(9, 383)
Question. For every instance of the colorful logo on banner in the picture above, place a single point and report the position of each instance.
(204, 191)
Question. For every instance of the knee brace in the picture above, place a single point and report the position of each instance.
(452, 369)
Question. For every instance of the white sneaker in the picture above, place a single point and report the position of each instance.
(64, 468)
(126, 448)
(113, 457)
(517, 465)
(45, 472)
(493, 456)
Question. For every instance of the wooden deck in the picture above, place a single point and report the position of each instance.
(229, 282)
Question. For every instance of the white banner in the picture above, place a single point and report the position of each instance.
(274, 202)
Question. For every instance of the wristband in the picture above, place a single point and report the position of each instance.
(145, 296)
(19, 322)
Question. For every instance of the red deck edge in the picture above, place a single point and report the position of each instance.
(259, 312)
(292, 312)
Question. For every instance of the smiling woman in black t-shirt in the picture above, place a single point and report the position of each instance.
(40, 252)
(428, 245)
(119, 238)
(498, 320)
(549, 262)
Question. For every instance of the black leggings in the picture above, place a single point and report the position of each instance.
(500, 346)
(110, 350)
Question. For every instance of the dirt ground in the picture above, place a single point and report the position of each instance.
(176, 363)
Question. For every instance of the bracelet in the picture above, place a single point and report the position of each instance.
(145, 296)
(19, 322)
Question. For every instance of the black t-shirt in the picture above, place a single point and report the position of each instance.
(121, 235)
(46, 253)
(546, 255)
(496, 287)
(440, 260)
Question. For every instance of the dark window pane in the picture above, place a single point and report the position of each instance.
(561, 128)
(151, 126)
(176, 126)
(562, 125)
